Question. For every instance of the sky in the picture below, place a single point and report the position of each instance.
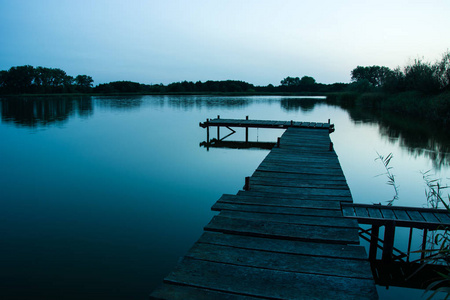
(258, 41)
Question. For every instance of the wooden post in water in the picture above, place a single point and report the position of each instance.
(247, 183)
(424, 243)
(374, 242)
(278, 142)
(246, 131)
(389, 234)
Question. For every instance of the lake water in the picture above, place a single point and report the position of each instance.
(100, 196)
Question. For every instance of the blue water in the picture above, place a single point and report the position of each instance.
(100, 196)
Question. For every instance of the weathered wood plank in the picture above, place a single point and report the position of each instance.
(415, 215)
(279, 201)
(361, 212)
(281, 261)
(220, 206)
(374, 212)
(301, 191)
(348, 211)
(300, 184)
(387, 213)
(269, 283)
(443, 217)
(429, 217)
(401, 214)
(182, 292)
(283, 230)
(284, 246)
(298, 196)
(299, 177)
(292, 219)
(286, 168)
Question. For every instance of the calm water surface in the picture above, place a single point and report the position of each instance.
(100, 196)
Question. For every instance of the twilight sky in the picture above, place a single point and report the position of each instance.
(258, 41)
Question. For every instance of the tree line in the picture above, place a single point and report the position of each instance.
(40, 80)
(420, 76)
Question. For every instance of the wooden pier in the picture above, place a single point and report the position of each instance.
(426, 219)
(284, 235)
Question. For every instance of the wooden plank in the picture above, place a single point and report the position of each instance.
(283, 230)
(348, 211)
(429, 217)
(298, 184)
(298, 196)
(301, 191)
(284, 246)
(182, 292)
(286, 168)
(361, 212)
(269, 283)
(281, 261)
(220, 206)
(292, 219)
(443, 217)
(401, 214)
(415, 215)
(374, 212)
(298, 177)
(387, 213)
(279, 201)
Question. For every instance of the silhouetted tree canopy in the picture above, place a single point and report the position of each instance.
(27, 79)
(418, 76)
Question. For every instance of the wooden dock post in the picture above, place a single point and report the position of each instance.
(374, 242)
(246, 131)
(247, 183)
(389, 234)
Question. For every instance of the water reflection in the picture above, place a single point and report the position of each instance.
(37, 111)
(419, 138)
(121, 102)
(303, 104)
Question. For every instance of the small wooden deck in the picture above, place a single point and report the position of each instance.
(391, 217)
(282, 238)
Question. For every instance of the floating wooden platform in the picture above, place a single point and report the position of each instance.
(264, 124)
(282, 238)
(415, 217)
(391, 217)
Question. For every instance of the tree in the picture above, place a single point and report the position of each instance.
(84, 83)
(307, 81)
(421, 76)
(290, 81)
(375, 75)
(443, 72)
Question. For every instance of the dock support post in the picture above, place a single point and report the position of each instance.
(247, 183)
(246, 131)
(374, 242)
(389, 233)
(218, 133)
(278, 142)
(207, 134)
(409, 244)
(424, 243)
